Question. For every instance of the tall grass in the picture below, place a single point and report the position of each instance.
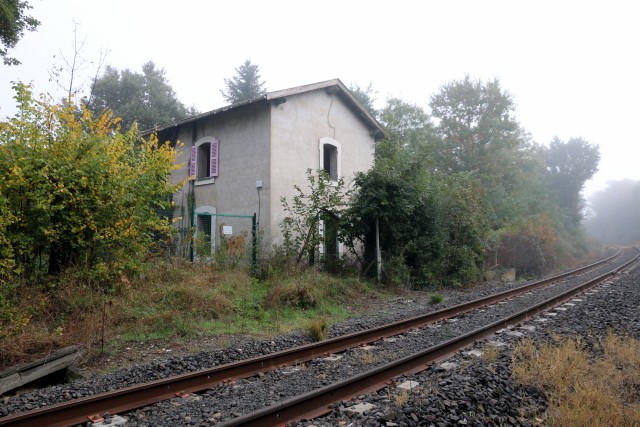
(584, 389)
(174, 298)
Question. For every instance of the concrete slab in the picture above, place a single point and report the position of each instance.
(474, 353)
(367, 347)
(115, 420)
(528, 328)
(515, 334)
(497, 344)
(447, 366)
(561, 309)
(333, 358)
(360, 408)
(551, 314)
(408, 385)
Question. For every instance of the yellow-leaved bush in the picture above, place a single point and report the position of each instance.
(78, 192)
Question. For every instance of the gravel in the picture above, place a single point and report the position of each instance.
(474, 391)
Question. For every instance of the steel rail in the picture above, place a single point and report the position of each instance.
(317, 402)
(122, 400)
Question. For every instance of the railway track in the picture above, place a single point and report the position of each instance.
(315, 402)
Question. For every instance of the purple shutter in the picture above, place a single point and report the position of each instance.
(213, 165)
(192, 165)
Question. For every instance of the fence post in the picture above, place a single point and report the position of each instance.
(378, 255)
(254, 246)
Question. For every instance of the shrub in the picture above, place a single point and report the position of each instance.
(78, 191)
(318, 329)
(436, 299)
(584, 388)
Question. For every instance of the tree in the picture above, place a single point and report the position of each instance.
(77, 192)
(244, 85)
(569, 166)
(146, 98)
(366, 96)
(431, 224)
(408, 125)
(13, 23)
(323, 201)
(477, 133)
(476, 127)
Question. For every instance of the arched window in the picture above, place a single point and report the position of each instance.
(330, 157)
(204, 159)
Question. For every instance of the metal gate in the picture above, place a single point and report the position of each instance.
(224, 238)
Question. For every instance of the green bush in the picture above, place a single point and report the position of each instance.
(76, 190)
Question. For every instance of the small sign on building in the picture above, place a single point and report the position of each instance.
(227, 230)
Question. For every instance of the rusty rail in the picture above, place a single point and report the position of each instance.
(118, 401)
(317, 402)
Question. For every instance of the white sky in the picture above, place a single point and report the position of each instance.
(573, 67)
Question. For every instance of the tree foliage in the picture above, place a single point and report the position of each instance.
(464, 186)
(77, 192)
(431, 224)
(366, 96)
(244, 85)
(476, 127)
(13, 23)
(407, 124)
(146, 98)
(569, 166)
(324, 200)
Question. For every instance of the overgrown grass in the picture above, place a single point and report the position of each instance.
(436, 299)
(175, 299)
(584, 389)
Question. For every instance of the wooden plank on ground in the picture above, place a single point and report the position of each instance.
(20, 375)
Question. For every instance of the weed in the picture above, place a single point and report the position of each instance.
(318, 329)
(490, 353)
(366, 357)
(436, 299)
(584, 389)
(402, 397)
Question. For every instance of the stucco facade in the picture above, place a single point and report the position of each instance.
(263, 147)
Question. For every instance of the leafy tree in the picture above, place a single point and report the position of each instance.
(77, 192)
(366, 96)
(569, 166)
(13, 23)
(431, 225)
(407, 124)
(244, 85)
(146, 98)
(324, 200)
(477, 133)
(476, 127)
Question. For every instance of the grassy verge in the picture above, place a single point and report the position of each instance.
(175, 299)
(584, 389)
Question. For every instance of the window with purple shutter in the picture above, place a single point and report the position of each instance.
(205, 159)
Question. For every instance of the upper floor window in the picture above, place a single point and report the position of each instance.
(330, 157)
(204, 158)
